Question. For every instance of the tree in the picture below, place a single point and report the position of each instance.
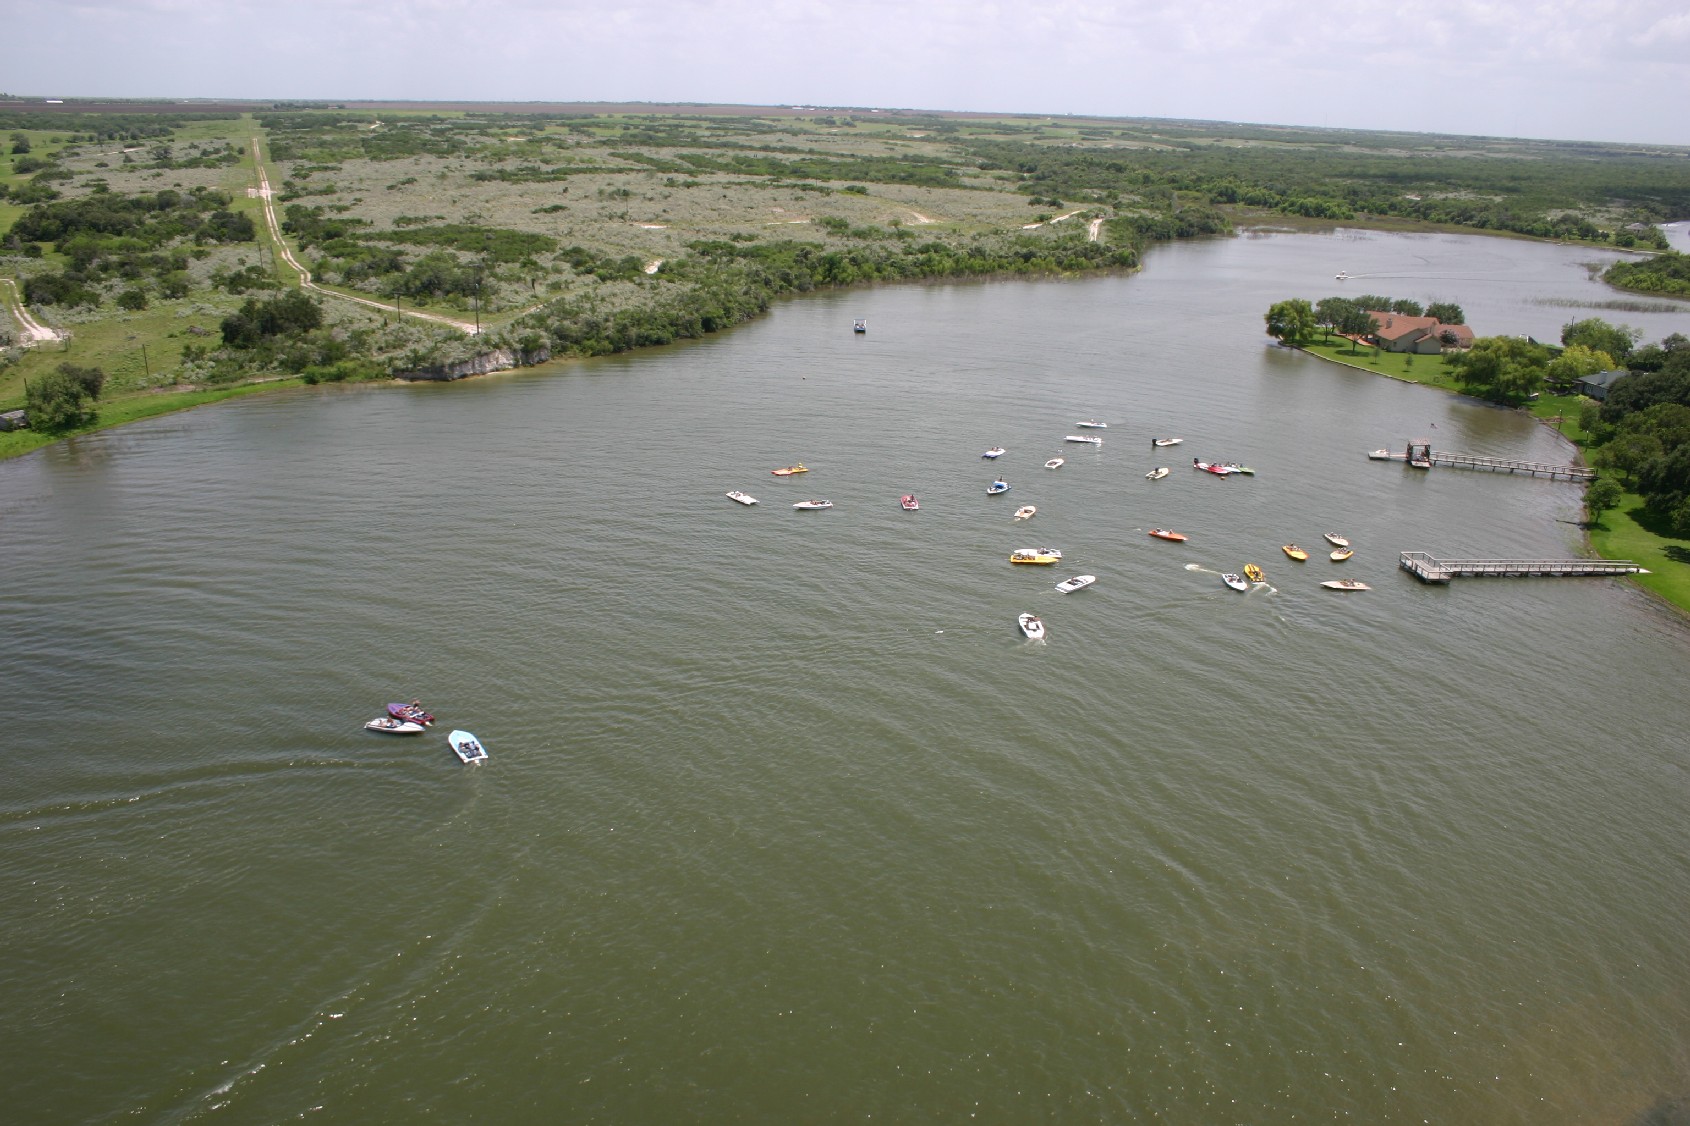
(1291, 322)
(1406, 307)
(1446, 312)
(1504, 369)
(1356, 323)
(1604, 493)
(1329, 312)
(1576, 362)
(20, 144)
(58, 401)
(1600, 336)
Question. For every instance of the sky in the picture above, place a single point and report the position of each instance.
(1607, 70)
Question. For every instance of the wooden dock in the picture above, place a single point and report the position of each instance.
(1424, 567)
(1424, 457)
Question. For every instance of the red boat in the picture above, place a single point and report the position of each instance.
(1164, 534)
(909, 502)
(412, 711)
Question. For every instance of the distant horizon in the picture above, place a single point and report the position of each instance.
(15, 101)
(1531, 69)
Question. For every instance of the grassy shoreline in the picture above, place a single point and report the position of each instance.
(1623, 533)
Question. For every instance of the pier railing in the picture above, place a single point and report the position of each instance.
(1425, 567)
(1499, 465)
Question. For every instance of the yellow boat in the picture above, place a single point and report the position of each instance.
(1254, 573)
(1342, 554)
(1039, 556)
(1295, 552)
(789, 470)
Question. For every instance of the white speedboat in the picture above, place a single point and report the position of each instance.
(1341, 275)
(994, 453)
(1336, 540)
(467, 746)
(812, 505)
(1031, 626)
(1089, 439)
(1158, 473)
(743, 498)
(1379, 455)
(1078, 582)
(1166, 441)
(1235, 581)
(392, 725)
(1345, 584)
(1054, 463)
(1093, 424)
(1025, 511)
(998, 486)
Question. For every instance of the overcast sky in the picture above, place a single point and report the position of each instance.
(1613, 70)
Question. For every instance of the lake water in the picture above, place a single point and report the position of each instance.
(784, 820)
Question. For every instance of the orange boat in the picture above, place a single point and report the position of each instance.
(789, 470)
(1295, 552)
(1164, 534)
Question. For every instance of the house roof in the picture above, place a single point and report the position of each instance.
(1395, 326)
(1603, 378)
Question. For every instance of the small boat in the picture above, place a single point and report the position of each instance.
(469, 748)
(1254, 573)
(1345, 584)
(1092, 424)
(1164, 534)
(994, 453)
(1217, 470)
(1335, 539)
(860, 325)
(1078, 582)
(412, 711)
(1380, 455)
(1031, 626)
(1342, 553)
(1341, 275)
(909, 502)
(388, 725)
(1234, 467)
(812, 505)
(1166, 441)
(789, 470)
(1295, 552)
(1024, 512)
(1235, 581)
(998, 486)
(1090, 439)
(743, 498)
(1158, 473)
(1054, 463)
(1036, 556)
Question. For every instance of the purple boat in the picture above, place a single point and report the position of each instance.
(412, 711)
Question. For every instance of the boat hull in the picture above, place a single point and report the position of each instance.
(467, 747)
(1078, 582)
(1031, 626)
(387, 725)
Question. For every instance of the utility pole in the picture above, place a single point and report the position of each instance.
(145, 366)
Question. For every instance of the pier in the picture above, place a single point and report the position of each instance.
(1424, 567)
(1422, 456)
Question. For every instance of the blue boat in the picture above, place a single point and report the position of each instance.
(998, 486)
(467, 746)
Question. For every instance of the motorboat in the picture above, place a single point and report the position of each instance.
(1158, 473)
(994, 453)
(1254, 573)
(789, 470)
(1234, 467)
(1380, 455)
(1342, 553)
(860, 325)
(1295, 552)
(1036, 556)
(1345, 584)
(813, 505)
(1093, 424)
(1054, 463)
(743, 498)
(1078, 582)
(1217, 470)
(1235, 581)
(1025, 512)
(1341, 275)
(467, 746)
(388, 725)
(998, 486)
(1031, 626)
(1165, 534)
(909, 502)
(1166, 441)
(1089, 439)
(412, 711)
(1336, 540)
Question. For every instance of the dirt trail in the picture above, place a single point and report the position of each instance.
(305, 281)
(34, 332)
